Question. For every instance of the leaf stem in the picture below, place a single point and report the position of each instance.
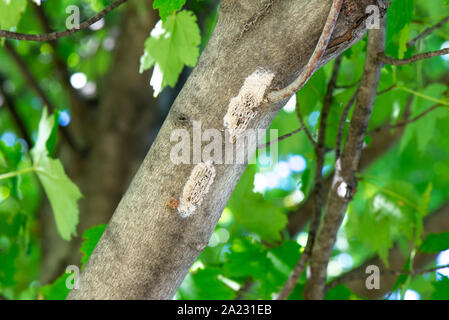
(421, 95)
(17, 173)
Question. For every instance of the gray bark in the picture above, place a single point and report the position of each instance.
(346, 166)
(147, 249)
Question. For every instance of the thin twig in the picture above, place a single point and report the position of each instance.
(312, 64)
(285, 136)
(415, 272)
(348, 86)
(357, 276)
(341, 125)
(303, 124)
(427, 32)
(400, 62)
(60, 34)
(379, 93)
(406, 122)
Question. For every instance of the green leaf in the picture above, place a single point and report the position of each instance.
(422, 213)
(286, 254)
(39, 151)
(441, 289)
(253, 212)
(8, 267)
(62, 193)
(91, 237)
(339, 292)
(167, 7)
(403, 279)
(404, 36)
(389, 212)
(98, 5)
(10, 156)
(297, 293)
(400, 15)
(11, 12)
(307, 179)
(205, 284)
(172, 45)
(400, 284)
(312, 93)
(435, 242)
(424, 128)
(51, 141)
(248, 258)
(57, 290)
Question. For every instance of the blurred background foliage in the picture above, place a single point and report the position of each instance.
(257, 242)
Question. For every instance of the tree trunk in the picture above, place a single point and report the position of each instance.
(148, 248)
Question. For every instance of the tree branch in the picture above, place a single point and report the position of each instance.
(341, 125)
(379, 93)
(348, 86)
(344, 182)
(303, 124)
(60, 34)
(312, 65)
(386, 272)
(318, 187)
(407, 122)
(400, 62)
(343, 119)
(285, 136)
(427, 32)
